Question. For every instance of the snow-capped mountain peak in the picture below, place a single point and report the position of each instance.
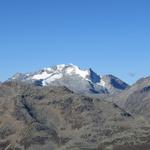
(73, 77)
(59, 71)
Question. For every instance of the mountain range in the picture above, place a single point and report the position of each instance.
(76, 79)
(68, 108)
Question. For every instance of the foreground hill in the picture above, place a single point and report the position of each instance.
(55, 118)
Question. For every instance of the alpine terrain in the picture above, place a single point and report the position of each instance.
(76, 79)
(67, 108)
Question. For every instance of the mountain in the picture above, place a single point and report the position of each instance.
(55, 118)
(135, 99)
(76, 79)
(51, 110)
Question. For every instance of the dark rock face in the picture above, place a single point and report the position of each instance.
(55, 118)
(114, 84)
(94, 77)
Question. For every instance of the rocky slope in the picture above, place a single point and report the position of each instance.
(55, 118)
(135, 99)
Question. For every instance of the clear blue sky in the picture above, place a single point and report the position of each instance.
(110, 36)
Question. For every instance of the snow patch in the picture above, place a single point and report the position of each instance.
(52, 78)
(60, 67)
(102, 83)
(42, 76)
(48, 69)
(72, 69)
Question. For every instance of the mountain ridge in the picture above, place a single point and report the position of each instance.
(76, 79)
